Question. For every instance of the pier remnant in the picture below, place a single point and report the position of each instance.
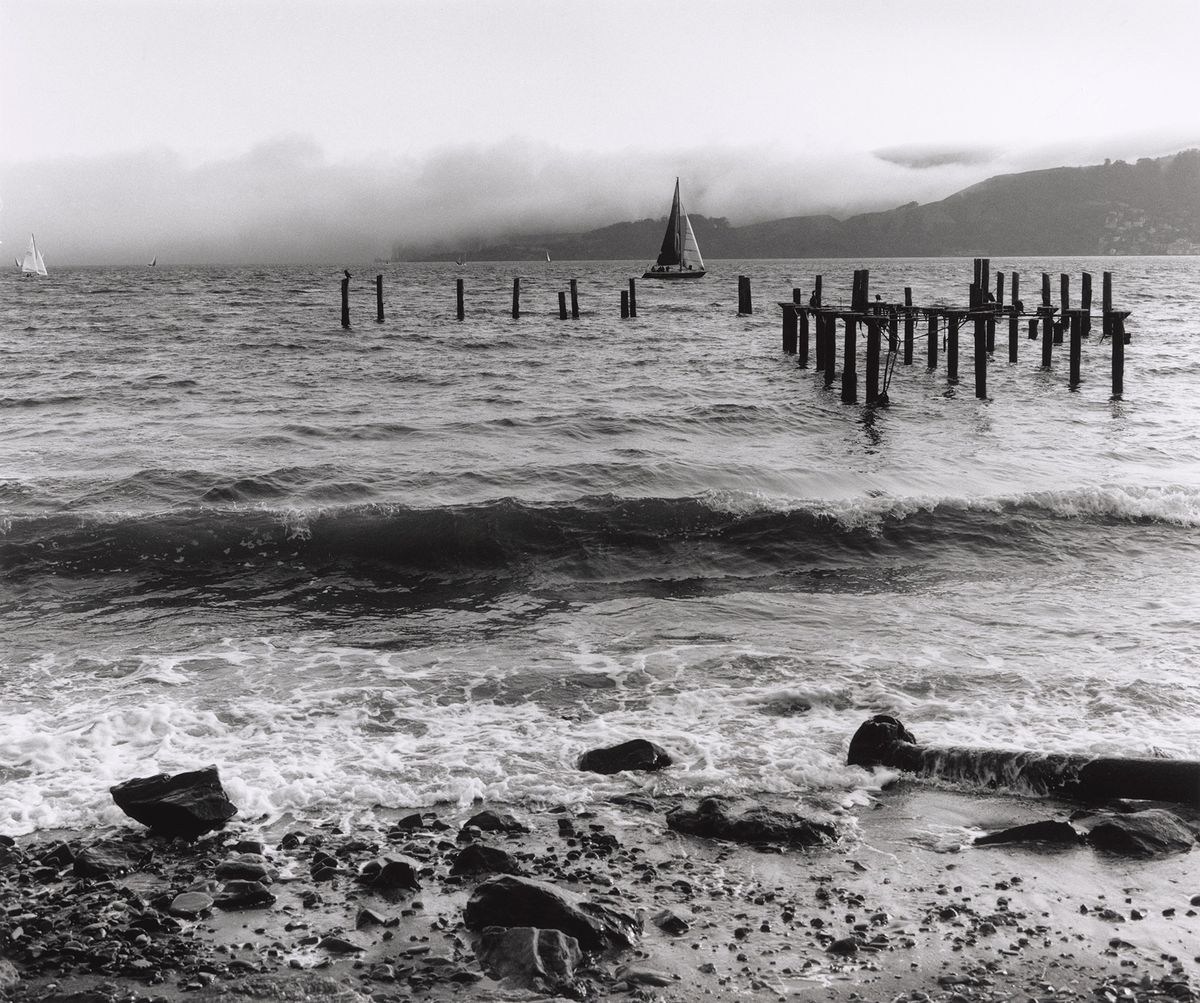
(632, 297)
(624, 304)
(562, 305)
(378, 299)
(458, 297)
(575, 299)
(850, 360)
(516, 306)
(984, 324)
(346, 301)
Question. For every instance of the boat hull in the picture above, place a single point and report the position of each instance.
(674, 276)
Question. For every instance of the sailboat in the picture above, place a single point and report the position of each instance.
(547, 255)
(680, 254)
(153, 262)
(32, 263)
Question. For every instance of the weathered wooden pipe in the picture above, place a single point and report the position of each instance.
(884, 741)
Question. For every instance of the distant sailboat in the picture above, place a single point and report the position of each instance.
(680, 254)
(153, 262)
(458, 260)
(547, 255)
(32, 264)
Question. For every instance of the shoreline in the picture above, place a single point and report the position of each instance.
(915, 908)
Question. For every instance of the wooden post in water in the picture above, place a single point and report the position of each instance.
(1085, 302)
(908, 337)
(802, 362)
(874, 343)
(1045, 288)
(798, 296)
(458, 296)
(1047, 315)
(817, 293)
(830, 348)
(985, 279)
(749, 300)
(1014, 322)
(976, 284)
(562, 305)
(1064, 295)
(1105, 303)
(981, 353)
(1116, 327)
(819, 347)
(893, 331)
(346, 302)
(952, 347)
(1076, 345)
(933, 336)
(745, 306)
(999, 290)
(1016, 292)
(850, 360)
(990, 324)
(624, 304)
(789, 330)
(516, 298)
(632, 297)
(575, 300)
(378, 299)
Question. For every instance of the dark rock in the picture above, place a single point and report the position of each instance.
(190, 904)
(1048, 831)
(495, 821)
(390, 872)
(244, 895)
(104, 860)
(369, 917)
(480, 859)
(874, 737)
(640, 975)
(758, 825)
(1142, 833)
(637, 754)
(530, 958)
(339, 945)
(185, 805)
(247, 867)
(673, 922)
(510, 901)
(846, 946)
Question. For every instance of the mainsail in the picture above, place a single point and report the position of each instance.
(680, 255)
(672, 246)
(32, 264)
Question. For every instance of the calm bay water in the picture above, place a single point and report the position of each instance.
(427, 561)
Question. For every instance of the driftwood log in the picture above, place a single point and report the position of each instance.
(884, 741)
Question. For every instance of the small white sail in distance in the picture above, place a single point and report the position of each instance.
(32, 263)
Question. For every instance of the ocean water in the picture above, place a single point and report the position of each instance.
(424, 562)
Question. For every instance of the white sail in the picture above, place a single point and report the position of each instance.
(32, 264)
(691, 250)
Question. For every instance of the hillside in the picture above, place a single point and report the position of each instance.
(1150, 207)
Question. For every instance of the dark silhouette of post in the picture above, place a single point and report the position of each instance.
(850, 360)
(1014, 322)
(802, 362)
(378, 299)
(624, 304)
(952, 320)
(830, 348)
(632, 298)
(1076, 345)
(1117, 330)
(981, 354)
(819, 327)
(574, 300)
(932, 347)
(346, 301)
(816, 300)
(1045, 288)
(1047, 315)
(999, 290)
(874, 344)
(1085, 302)
(990, 323)
(908, 337)
(789, 330)
(458, 296)
(562, 305)
(516, 297)
(1064, 295)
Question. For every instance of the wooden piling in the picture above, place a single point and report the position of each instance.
(802, 362)
(933, 340)
(819, 347)
(893, 331)
(952, 319)
(624, 304)
(816, 302)
(1045, 288)
(798, 296)
(1085, 302)
(1047, 316)
(860, 296)
(745, 304)
(830, 349)
(632, 297)
(516, 298)
(850, 360)
(990, 322)
(789, 330)
(909, 322)
(575, 300)
(874, 342)
(1014, 323)
(345, 302)
(985, 279)
(562, 305)
(1064, 296)
(981, 354)
(1033, 328)
(1016, 292)
(975, 297)
(378, 299)
(1116, 328)
(458, 296)
(999, 290)
(1076, 343)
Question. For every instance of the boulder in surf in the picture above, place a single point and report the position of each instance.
(186, 805)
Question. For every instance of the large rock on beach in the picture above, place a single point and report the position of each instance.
(186, 805)
(390, 873)
(104, 860)
(512, 901)
(636, 754)
(480, 859)
(1048, 831)
(1146, 833)
(529, 958)
(757, 825)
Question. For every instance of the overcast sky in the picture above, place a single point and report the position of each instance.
(272, 130)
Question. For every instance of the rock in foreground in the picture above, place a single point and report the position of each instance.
(1142, 834)
(758, 825)
(511, 901)
(542, 960)
(186, 805)
(1049, 831)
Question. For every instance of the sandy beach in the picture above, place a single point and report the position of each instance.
(901, 907)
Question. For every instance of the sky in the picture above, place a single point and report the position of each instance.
(327, 130)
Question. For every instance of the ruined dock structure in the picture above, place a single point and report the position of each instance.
(984, 312)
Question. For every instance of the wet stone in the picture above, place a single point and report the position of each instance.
(244, 895)
(190, 904)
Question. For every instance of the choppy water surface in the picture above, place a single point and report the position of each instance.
(426, 561)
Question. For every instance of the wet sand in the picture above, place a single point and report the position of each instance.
(903, 906)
